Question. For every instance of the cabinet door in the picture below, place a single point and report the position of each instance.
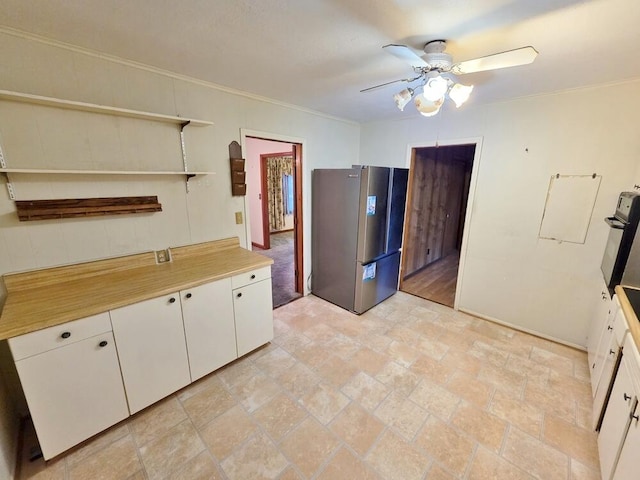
(73, 392)
(253, 311)
(209, 327)
(600, 335)
(609, 363)
(627, 468)
(152, 350)
(616, 420)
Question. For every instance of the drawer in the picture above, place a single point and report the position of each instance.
(53, 337)
(620, 327)
(250, 277)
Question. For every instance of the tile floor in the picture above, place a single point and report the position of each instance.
(409, 390)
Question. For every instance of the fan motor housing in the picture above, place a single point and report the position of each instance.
(435, 55)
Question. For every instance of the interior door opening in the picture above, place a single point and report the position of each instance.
(439, 183)
(274, 191)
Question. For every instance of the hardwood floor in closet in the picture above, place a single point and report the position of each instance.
(436, 282)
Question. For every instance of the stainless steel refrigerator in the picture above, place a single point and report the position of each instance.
(357, 221)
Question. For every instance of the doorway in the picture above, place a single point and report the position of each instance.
(439, 183)
(274, 194)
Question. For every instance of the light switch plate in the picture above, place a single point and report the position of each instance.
(238, 218)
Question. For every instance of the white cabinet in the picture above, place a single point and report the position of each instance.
(608, 354)
(627, 468)
(71, 380)
(253, 309)
(209, 326)
(600, 335)
(152, 349)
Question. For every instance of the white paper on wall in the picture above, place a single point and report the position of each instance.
(569, 207)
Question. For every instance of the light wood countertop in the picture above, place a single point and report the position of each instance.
(48, 297)
(629, 313)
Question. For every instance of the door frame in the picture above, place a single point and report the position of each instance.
(410, 158)
(298, 225)
(264, 158)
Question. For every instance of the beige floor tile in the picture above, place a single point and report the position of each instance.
(404, 334)
(489, 466)
(432, 348)
(436, 472)
(426, 328)
(396, 459)
(521, 414)
(55, 469)
(490, 329)
(345, 466)
(576, 442)
(97, 443)
(207, 404)
(460, 360)
(469, 388)
(402, 353)
(459, 341)
(239, 371)
(357, 427)
(512, 348)
(552, 360)
(427, 367)
(488, 354)
(533, 456)
(227, 431)
(298, 379)
(336, 371)
(582, 472)
(550, 401)
(341, 346)
(503, 379)
(435, 399)
(279, 416)
(275, 362)
(369, 361)
(399, 378)
(581, 369)
(165, 455)
(119, 460)
(309, 446)
(375, 341)
(257, 391)
(290, 474)
(291, 341)
(156, 420)
(568, 385)
(199, 385)
(201, 467)
(485, 428)
(256, 459)
(312, 354)
(324, 402)
(320, 333)
(533, 371)
(366, 390)
(402, 414)
(445, 444)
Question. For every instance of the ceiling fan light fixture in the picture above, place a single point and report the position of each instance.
(427, 107)
(435, 87)
(460, 93)
(403, 97)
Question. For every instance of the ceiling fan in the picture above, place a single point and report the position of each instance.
(436, 73)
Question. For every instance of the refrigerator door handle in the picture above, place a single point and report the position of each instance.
(388, 220)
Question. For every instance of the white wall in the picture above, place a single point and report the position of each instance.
(510, 275)
(50, 138)
(256, 147)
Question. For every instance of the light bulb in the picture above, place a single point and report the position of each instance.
(460, 93)
(427, 107)
(435, 88)
(403, 97)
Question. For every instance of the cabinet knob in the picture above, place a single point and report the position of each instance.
(626, 397)
(253, 277)
(634, 417)
(65, 334)
(188, 295)
(239, 295)
(172, 300)
(611, 352)
(103, 343)
(609, 328)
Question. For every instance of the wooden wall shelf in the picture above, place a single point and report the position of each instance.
(98, 172)
(94, 108)
(29, 210)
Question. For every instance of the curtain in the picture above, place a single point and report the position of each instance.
(277, 168)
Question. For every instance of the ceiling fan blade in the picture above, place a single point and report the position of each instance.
(510, 58)
(407, 55)
(408, 80)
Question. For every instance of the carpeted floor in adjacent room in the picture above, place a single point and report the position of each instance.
(282, 274)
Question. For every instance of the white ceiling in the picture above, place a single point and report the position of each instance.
(319, 54)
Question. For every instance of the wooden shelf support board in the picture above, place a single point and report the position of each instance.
(29, 210)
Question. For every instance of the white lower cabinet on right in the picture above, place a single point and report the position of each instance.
(253, 309)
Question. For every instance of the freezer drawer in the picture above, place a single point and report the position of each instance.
(376, 281)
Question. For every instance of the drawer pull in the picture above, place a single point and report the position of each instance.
(611, 352)
(103, 343)
(253, 277)
(65, 334)
(609, 328)
(626, 397)
(239, 295)
(172, 300)
(188, 295)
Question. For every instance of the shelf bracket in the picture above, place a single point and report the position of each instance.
(184, 153)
